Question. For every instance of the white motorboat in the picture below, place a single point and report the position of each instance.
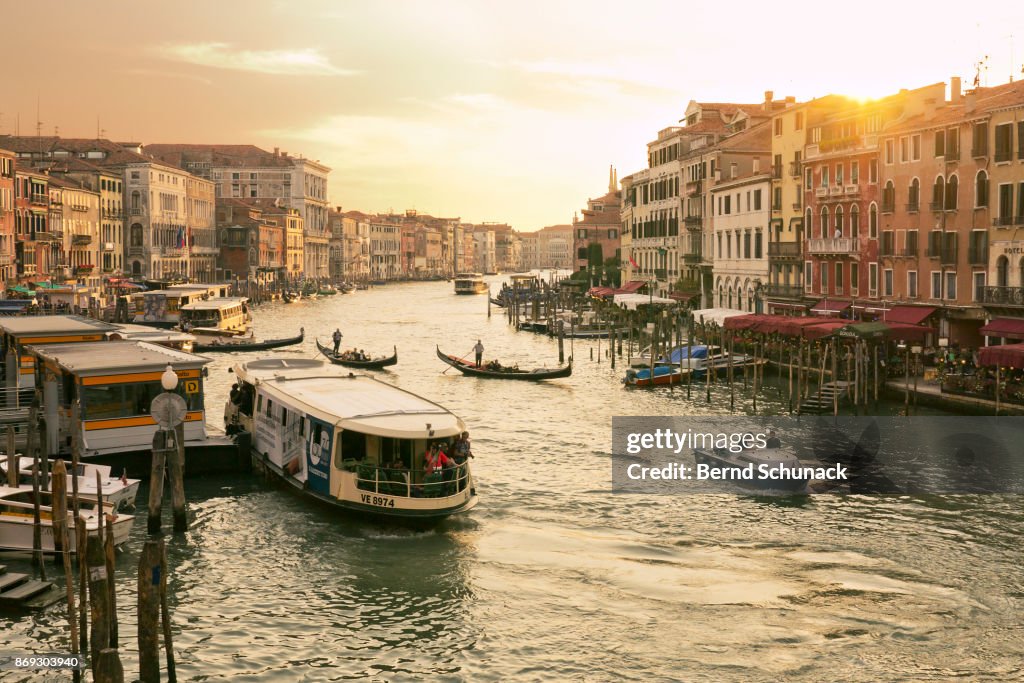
(348, 440)
(119, 491)
(470, 283)
(17, 519)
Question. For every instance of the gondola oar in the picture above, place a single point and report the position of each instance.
(445, 371)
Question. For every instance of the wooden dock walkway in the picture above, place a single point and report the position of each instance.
(826, 398)
(24, 592)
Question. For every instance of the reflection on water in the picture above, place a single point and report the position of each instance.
(551, 577)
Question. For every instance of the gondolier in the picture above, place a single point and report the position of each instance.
(479, 351)
(337, 340)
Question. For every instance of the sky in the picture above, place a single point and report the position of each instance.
(505, 112)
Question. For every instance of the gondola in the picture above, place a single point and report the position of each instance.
(506, 373)
(251, 346)
(365, 364)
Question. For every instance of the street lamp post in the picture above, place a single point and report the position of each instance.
(169, 411)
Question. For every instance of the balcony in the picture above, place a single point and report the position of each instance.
(5, 259)
(79, 207)
(693, 222)
(913, 207)
(81, 240)
(46, 237)
(172, 252)
(977, 256)
(786, 291)
(784, 250)
(84, 269)
(888, 207)
(948, 254)
(693, 188)
(776, 172)
(797, 206)
(39, 198)
(835, 191)
(794, 169)
(821, 192)
(136, 251)
(1007, 221)
(108, 246)
(1006, 296)
(937, 207)
(834, 246)
(135, 211)
(113, 215)
(907, 252)
(980, 151)
(1003, 154)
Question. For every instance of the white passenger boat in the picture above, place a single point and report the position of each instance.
(348, 440)
(220, 317)
(470, 283)
(17, 518)
(162, 307)
(119, 491)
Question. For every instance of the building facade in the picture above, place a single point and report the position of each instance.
(740, 242)
(7, 232)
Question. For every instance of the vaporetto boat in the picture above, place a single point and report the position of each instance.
(348, 439)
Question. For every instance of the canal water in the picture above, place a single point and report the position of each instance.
(552, 577)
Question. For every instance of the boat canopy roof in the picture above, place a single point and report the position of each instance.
(85, 359)
(53, 325)
(215, 304)
(353, 402)
(147, 333)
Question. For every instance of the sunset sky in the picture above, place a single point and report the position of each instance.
(505, 112)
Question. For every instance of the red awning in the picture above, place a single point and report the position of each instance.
(908, 332)
(682, 296)
(910, 315)
(825, 329)
(827, 306)
(794, 326)
(632, 287)
(1008, 354)
(741, 322)
(1004, 327)
(600, 291)
(791, 307)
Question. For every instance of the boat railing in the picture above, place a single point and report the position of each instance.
(399, 481)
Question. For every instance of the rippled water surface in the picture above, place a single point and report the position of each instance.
(551, 577)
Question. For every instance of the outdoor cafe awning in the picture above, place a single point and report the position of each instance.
(632, 287)
(910, 315)
(1011, 355)
(1004, 327)
(828, 307)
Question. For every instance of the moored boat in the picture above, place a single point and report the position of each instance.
(766, 469)
(495, 371)
(236, 344)
(120, 492)
(17, 513)
(348, 440)
(368, 364)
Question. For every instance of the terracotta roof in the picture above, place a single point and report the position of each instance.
(241, 156)
(704, 126)
(757, 137)
(1002, 96)
(729, 109)
(556, 228)
(946, 115)
(115, 153)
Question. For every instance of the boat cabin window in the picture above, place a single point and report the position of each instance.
(398, 450)
(126, 400)
(351, 446)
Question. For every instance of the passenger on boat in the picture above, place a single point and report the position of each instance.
(461, 450)
(435, 460)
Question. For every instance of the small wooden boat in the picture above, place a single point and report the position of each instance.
(374, 364)
(472, 370)
(251, 345)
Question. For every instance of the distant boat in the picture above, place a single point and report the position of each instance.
(472, 370)
(249, 345)
(470, 283)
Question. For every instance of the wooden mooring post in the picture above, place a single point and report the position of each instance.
(156, 481)
(60, 531)
(152, 610)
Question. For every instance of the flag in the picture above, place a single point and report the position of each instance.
(633, 263)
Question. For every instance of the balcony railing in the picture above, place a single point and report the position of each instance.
(113, 215)
(136, 251)
(776, 172)
(953, 154)
(948, 254)
(5, 259)
(46, 237)
(888, 207)
(1006, 296)
(784, 250)
(797, 206)
(937, 207)
(852, 189)
(836, 190)
(1003, 154)
(821, 192)
(978, 255)
(913, 207)
(39, 198)
(81, 240)
(1006, 221)
(833, 245)
(135, 211)
(108, 246)
(693, 222)
(794, 169)
(908, 252)
(786, 291)
(979, 151)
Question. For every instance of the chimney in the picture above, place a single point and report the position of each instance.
(954, 90)
(970, 100)
(768, 97)
(790, 99)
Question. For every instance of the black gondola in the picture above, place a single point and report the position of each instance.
(505, 373)
(251, 346)
(365, 364)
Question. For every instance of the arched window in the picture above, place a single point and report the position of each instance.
(136, 268)
(854, 221)
(824, 222)
(809, 220)
(938, 193)
(839, 222)
(914, 195)
(1003, 272)
(981, 189)
(889, 197)
(873, 221)
(951, 192)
